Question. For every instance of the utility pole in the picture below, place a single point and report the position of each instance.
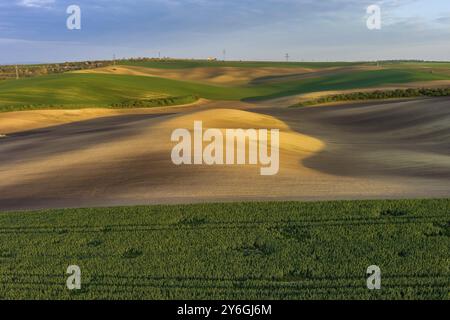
(224, 54)
(287, 57)
(17, 72)
(159, 55)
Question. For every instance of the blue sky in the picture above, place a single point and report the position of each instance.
(35, 30)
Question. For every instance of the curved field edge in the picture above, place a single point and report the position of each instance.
(275, 250)
(72, 90)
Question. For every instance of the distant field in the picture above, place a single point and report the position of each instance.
(72, 90)
(285, 250)
(88, 90)
(186, 64)
(414, 65)
(354, 80)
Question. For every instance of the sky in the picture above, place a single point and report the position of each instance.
(34, 31)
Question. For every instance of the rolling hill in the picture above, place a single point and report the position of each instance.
(81, 90)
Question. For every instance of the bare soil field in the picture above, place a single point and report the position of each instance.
(355, 151)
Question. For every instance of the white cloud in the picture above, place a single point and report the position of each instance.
(36, 3)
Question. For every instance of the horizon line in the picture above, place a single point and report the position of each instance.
(29, 63)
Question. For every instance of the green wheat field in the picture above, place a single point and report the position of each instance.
(278, 250)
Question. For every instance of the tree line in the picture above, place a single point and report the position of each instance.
(27, 71)
(378, 94)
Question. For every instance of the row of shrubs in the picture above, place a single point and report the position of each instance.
(160, 102)
(27, 107)
(378, 94)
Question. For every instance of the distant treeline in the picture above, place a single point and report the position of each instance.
(35, 70)
(28, 71)
(378, 94)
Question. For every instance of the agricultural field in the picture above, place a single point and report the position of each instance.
(189, 64)
(99, 139)
(152, 150)
(277, 250)
(218, 81)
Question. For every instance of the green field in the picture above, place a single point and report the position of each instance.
(287, 250)
(71, 90)
(77, 90)
(352, 80)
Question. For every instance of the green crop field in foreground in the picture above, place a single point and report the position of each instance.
(288, 250)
